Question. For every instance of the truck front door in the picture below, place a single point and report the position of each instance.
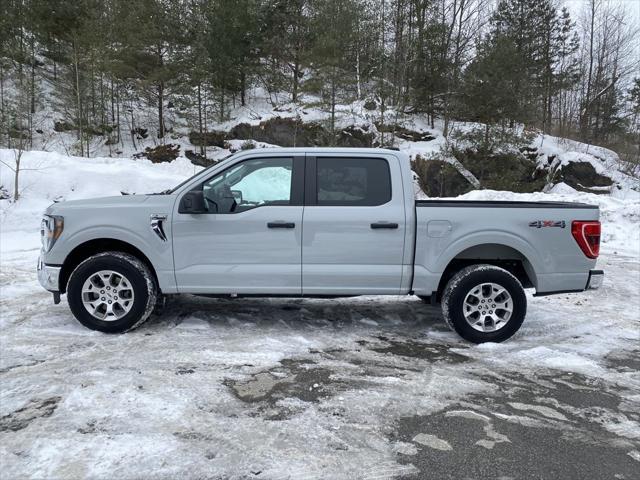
(249, 240)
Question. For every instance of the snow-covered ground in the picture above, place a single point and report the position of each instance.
(302, 389)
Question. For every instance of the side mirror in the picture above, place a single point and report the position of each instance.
(237, 196)
(192, 202)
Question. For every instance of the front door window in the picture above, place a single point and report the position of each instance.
(250, 184)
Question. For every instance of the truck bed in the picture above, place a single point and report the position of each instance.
(537, 235)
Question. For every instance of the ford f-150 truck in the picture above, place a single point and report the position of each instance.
(315, 222)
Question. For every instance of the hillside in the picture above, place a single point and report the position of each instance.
(508, 159)
(521, 165)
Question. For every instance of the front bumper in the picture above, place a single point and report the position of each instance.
(49, 276)
(596, 277)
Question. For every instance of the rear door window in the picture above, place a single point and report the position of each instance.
(352, 181)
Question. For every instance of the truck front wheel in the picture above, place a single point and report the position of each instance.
(112, 292)
(484, 303)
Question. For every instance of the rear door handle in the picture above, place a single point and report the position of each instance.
(281, 225)
(379, 225)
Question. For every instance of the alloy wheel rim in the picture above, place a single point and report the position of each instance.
(107, 295)
(487, 307)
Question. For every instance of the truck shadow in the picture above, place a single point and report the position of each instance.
(368, 313)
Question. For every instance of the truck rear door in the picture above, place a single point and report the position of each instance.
(354, 225)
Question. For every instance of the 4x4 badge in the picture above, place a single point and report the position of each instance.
(548, 223)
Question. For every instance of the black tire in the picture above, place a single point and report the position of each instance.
(462, 283)
(145, 291)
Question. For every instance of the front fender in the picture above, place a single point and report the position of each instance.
(158, 252)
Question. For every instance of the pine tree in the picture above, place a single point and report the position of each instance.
(284, 43)
(153, 43)
(232, 36)
(333, 23)
(493, 82)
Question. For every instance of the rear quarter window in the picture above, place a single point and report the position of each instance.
(353, 181)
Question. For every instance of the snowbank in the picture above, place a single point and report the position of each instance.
(620, 217)
(46, 177)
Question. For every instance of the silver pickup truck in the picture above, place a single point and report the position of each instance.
(315, 223)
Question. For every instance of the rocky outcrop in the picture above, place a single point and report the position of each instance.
(405, 133)
(63, 126)
(519, 170)
(209, 139)
(289, 132)
(356, 136)
(285, 132)
(439, 178)
(161, 153)
(583, 176)
(198, 159)
(503, 171)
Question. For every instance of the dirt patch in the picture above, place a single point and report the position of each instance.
(301, 379)
(21, 418)
(30, 364)
(427, 351)
(570, 389)
(185, 370)
(626, 361)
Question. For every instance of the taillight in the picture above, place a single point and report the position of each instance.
(587, 234)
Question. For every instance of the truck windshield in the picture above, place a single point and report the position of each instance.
(181, 184)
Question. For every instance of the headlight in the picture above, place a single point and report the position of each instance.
(50, 230)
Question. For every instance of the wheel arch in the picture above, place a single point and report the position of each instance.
(99, 245)
(492, 253)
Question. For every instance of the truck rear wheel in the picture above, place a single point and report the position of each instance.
(112, 292)
(484, 303)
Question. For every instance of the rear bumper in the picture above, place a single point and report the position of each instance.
(596, 277)
(49, 276)
(594, 281)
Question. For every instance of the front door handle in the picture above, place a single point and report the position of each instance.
(281, 225)
(388, 225)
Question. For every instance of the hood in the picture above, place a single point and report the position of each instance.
(116, 201)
